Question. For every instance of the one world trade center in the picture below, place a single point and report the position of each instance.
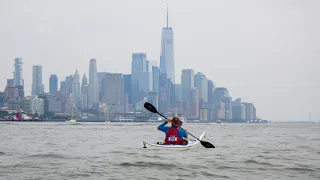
(167, 52)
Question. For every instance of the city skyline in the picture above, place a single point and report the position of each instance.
(273, 83)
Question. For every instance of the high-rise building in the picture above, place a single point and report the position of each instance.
(76, 94)
(17, 76)
(249, 111)
(194, 104)
(167, 52)
(187, 83)
(62, 86)
(211, 88)
(238, 110)
(113, 89)
(219, 94)
(150, 64)
(201, 83)
(76, 84)
(93, 83)
(127, 86)
(53, 84)
(37, 80)
(177, 88)
(84, 80)
(145, 82)
(101, 76)
(84, 91)
(66, 85)
(156, 79)
(33, 105)
(138, 65)
(166, 93)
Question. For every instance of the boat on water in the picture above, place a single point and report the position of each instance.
(191, 144)
(72, 121)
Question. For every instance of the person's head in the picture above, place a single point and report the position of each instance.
(176, 121)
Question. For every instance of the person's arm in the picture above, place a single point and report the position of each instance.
(163, 127)
(185, 134)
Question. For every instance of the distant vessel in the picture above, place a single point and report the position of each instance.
(72, 121)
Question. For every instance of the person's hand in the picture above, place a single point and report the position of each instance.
(169, 120)
(186, 130)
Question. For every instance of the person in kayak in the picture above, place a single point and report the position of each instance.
(174, 134)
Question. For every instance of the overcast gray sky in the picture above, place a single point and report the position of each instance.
(266, 52)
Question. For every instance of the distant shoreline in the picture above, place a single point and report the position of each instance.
(99, 121)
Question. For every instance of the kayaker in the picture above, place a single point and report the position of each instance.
(174, 134)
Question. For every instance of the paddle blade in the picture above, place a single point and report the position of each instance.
(150, 107)
(207, 144)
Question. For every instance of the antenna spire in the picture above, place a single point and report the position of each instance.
(167, 16)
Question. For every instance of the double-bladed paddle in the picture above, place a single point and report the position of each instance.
(151, 108)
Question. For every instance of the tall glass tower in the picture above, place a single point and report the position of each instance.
(167, 52)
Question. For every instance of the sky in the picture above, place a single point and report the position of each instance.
(266, 52)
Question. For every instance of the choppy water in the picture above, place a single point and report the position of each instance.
(114, 151)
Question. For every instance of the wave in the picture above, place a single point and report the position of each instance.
(51, 156)
(151, 165)
(251, 161)
(224, 167)
(213, 175)
(300, 169)
(122, 152)
(152, 156)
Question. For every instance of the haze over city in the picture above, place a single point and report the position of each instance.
(262, 51)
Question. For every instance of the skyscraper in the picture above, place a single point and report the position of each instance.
(84, 80)
(76, 84)
(76, 94)
(37, 80)
(17, 76)
(156, 78)
(68, 84)
(93, 83)
(113, 89)
(53, 84)
(211, 87)
(84, 91)
(187, 82)
(167, 52)
(201, 83)
(177, 88)
(127, 86)
(138, 65)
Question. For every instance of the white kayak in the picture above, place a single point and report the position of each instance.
(190, 144)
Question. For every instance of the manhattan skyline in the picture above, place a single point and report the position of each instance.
(254, 50)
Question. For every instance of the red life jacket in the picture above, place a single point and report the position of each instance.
(172, 136)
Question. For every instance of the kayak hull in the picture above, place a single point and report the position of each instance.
(191, 144)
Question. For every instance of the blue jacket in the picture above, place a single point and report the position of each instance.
(164, 128)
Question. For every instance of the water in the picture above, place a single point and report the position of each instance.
(114, 151)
